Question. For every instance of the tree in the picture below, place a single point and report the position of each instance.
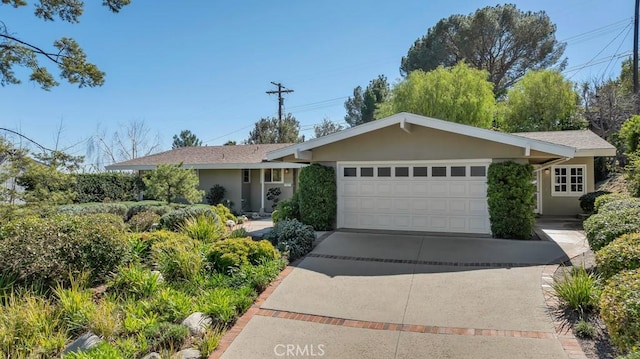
(13, 162)
(459, 94)
(230, 143)
(272, 130)
(66, 52)
(542, 101)
(362, 106)
(169, 182)
(51, 179)
(186, 139)
(503, 40)
(132, 141)
(326, 127)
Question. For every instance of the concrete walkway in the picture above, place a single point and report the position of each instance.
(409, 296)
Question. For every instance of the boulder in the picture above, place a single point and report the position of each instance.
(84, 342)
(197, 323)
(190, 353)
(152, 355)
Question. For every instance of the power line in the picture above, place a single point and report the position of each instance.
(601, 51)
(618, 49)
(281, 90)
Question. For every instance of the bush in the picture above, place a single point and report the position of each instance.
(178, 258)
(239, 233)
(224, 305)
(585, 330)
(48, 250)
(587, 201)
(110, 186)
(510, 195)
(134, 281)
(578, 290)
(204, 228)
(224, 213)
(166, 335)
(173, 220)
(292, 238)
(235, 252)
(622, 253)
(171, 305)
(604, 199)
(620, 309)
(94, 208)
(143, 221)
(149, 206)
(259, 276)
(602, 228)
(287, 209)
(619, 204)
(317, 196)
(76, 308)
(215, 195)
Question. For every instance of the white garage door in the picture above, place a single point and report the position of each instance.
(414, 196)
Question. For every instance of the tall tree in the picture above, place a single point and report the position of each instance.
(51, 178)
(186, 139)
(503, 40)
(326, 127)
(66, 53)
(230, 143)
(169, 182)
(131, 141)
(273, 130)
(362, 106)
(542, 101)
(459, 94)
(13, 162)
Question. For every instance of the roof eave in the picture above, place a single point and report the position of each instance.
(596, 152)
(210, 166)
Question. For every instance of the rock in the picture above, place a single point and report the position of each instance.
(197, 323)
(190, 353)
(255, 215)
(230, 223)
(152, 355)
(160, 277)
(84, 342)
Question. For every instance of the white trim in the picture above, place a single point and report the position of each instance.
(248, 175)
(596, 152)
(568, 193)
(271, 180)
(224, 166)
(411, 162)
(261, 190)
(509, 139)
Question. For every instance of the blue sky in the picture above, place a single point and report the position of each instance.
(205, 65)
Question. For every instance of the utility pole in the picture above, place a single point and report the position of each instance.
(282, 90)
(635, 50)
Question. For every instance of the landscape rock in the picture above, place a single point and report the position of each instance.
(190, 353)
(230, 223)
(84, 342)
(160, 277)
(197, 323)
(152, 355)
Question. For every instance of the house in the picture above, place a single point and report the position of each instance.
(410, 172)
(240, 169)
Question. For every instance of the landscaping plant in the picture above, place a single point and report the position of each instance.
(623, 253)
(577, 290)
(317, 196)
(587, 200)
(292, 238)
(605, 226)
(620, 309)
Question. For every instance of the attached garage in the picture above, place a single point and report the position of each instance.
(433, 196)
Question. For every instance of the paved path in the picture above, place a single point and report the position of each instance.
(408, 296)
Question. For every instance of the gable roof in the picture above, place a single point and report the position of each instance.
(207, 157)
(585, 142)
(405, 120)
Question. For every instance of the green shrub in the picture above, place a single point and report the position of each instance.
(585, 330)
(103, 350)
(159, 208)
(634, 354)
(143, 221)
(510, 195)
(317, 196)
(587, 201)
(224, 213)
(619, 204)
(604, 199)
(258, 276)
(134, 281)
(171, 305)
(287, 209)
(109, 186)
(602, 228)
(93, 208)
(178, 258)
(623, 253)
(173, 220)
(215, 195)
(235, 252)
(292, 238)
(166, 335)
(48, 250)
(239, 233)
(578, 290)
(632, 173)
(224, 305)
(204, 228)
(76, 307)
(620, 309)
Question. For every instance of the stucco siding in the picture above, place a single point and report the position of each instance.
(231, 180)
(256, 191)
(565, 206)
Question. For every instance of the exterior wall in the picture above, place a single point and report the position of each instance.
(231, 180)
(565, 206)
(287, 188)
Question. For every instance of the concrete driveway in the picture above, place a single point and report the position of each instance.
(365, 295)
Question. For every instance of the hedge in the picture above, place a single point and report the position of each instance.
(620, 309)
(587, 201)
(110, 186)
(623, 253)
(603, 227)
(317, 196)
(604, 199)
(510, 195)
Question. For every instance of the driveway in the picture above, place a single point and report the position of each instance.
(366, 295)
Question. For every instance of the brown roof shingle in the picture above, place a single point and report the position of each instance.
(578, 139)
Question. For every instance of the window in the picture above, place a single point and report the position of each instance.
(384, 171)
(402, 171)
(273, 175)
(439, 171)
(478, 171)
(349, 172)
(246, 176)
(366, 171)
(458, 171)
(568, 180)
(420, 171)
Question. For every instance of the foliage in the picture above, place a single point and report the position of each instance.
(186, 139)
(459, 94)
(170, 182)
(287, 209)
(317, 196)
(632, 174)
(510, 196)
(174, 220)
(12, 163)
(622, 203)
(171, 305)
(224, 305)
(630, 133)
(166, 335)
(160, 208)
(239, 233)
(50, 179)
(603, 227)
(224, 213)
(178, 258)
(143, 221)
(128, 142)
(117, 209)
(215, 195)
(362, 106)
(230, 254)
(585, 330)
(502, 40)
(108, 186)
(272, 130)
(134, 281)
(48, 250)
(204, 228)
(326, 127)
(587, 200)
(623, 253)
(76, 307)
(578, 290)
(620, 309)
(66, 52)
(210, 341)
(542, 101)
(292, 238)
(103, 350)
(600, 201)
(260, 276)
(273, 195)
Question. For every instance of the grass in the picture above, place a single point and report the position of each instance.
(577, 290)
(585, 330)
(204, 228)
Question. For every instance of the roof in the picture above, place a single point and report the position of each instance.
(406, 120)
(585, 142)
(207, 157)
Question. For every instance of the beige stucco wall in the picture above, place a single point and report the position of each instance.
(565, 206)
(231, 180)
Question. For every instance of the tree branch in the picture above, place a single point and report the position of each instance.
(51, 56)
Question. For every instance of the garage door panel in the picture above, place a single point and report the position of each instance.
(438, 205)
(457, 224)
(367, 189)
(438, 189)
(477, 206)
(458, 206)
(351, 189)
(420, 189)
(401, 205)
(439, 223)
(477, 189)
(402, 190)
(457, 189)
(384, 189)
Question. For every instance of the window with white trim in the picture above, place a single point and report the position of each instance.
(273, 175)
(569, 180)
(246, 176)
